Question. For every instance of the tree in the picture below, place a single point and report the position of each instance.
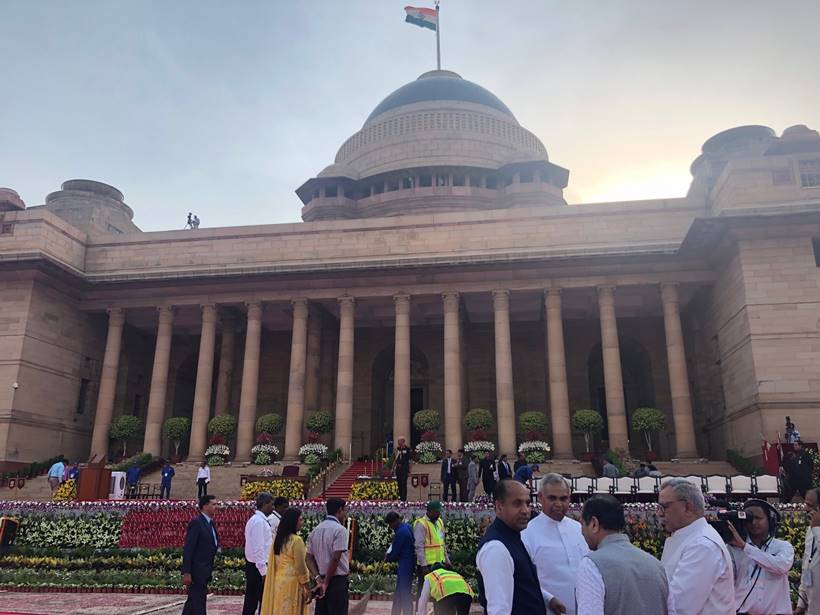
(320, 422)
(588, 421)
(124, 427)
(427, 420)
(269, 423)
(478, 418)
(648, 420)
(533, 422)
(224, 425)
(175, 429)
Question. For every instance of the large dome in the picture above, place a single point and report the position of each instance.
(439, 85)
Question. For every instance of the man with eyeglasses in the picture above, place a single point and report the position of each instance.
(555, 544)
(696, 560)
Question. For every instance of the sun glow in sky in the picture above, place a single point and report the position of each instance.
(224, 109)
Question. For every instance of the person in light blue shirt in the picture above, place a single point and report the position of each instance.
(55, 475)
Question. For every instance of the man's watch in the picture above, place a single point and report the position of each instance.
(318, 578)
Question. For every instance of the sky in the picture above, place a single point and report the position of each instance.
(225, 108)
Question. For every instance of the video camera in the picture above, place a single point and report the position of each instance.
(730, 513)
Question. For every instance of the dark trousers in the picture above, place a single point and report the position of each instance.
(489, 485)
(403, 597)
(165, 491)
(449, 486)
(454, 604)
(336, 598)
(201, 488)
(401, 479)
(195, 604)
(462, 489)
(254, 584)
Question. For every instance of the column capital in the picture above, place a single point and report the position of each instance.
(208, 312)
(451, 300)
(501, 298)
(669, 292)
(606, 293)
(346, 300)
(300, 307)
(552, 298)
(116, 316)
(254, 309)
(166, 313)
(401, 298)
(553, 292)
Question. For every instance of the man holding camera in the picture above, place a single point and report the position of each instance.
(762, 562)
(696, 560)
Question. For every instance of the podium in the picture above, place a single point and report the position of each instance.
(94, 482)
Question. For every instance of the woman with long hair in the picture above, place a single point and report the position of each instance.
(287, 584)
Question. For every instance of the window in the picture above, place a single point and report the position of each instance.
(348, 193)
(378, 188)
(459, 180)
(426, 181)
(442, 180)
(392, 185)
(7, 228)
(331, 192)
(810, 173)
(82, 398)
(815, 244)
(475, 181)
(492, 183)
(525, 177)
(407, 183)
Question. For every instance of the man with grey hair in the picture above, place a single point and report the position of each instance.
(696, 560)
(258, 540)
(555, 544)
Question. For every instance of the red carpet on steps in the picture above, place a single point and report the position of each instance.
(340, 488)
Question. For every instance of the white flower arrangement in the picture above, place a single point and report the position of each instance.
(428, 446)
(531, 446)
(218, 449)
(269, 449)
(314, 448)
(479, 446)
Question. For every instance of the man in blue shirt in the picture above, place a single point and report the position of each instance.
(55, 475)
(524, 473)
(132, 477)
(165, 484)
(403, 551)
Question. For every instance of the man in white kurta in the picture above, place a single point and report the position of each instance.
(696, 560)
(555, 544)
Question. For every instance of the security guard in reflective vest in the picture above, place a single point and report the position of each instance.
(428, 532)
(451, 594)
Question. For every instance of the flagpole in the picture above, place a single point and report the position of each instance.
(438, 38)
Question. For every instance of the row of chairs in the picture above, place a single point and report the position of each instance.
(143, 491)
(718, 485)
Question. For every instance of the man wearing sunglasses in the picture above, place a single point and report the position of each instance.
(697, 562)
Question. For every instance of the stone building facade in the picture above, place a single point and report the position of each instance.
(437, 266)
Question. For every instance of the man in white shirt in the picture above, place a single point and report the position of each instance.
(696, 560)
(203, 477)
(555, 544)
(258, 539)
(280, 505)
(762, 563)
(808, 596)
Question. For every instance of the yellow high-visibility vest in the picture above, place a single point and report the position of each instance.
(434, 551)
(445, 583)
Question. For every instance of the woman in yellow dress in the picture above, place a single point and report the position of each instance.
(287, 584)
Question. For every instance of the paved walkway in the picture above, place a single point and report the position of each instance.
(131, 604)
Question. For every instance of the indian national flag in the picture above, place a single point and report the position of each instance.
(426, 18)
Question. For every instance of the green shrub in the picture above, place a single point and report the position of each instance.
(742, 464)
(587, 421)
(312, 459)
(320, 421)
(532, 421)
(175, 429)
(139, 460)
(478, 418)
(224, 425)
(269, 423)
(648, 421)
(216, 460)
(124, 427)
(427, 420)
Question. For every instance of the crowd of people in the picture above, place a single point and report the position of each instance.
(528, 562)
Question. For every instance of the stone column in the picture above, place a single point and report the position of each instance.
(613, 381)
(108, 383)
(685, 445)
(344, 379)
(159, 383)
(204, 382)
(295, 414)
(314, 356)
(557, 366)
(401, 370)
(453, 401)
(250, 383)
(504, 392)
(225, 376)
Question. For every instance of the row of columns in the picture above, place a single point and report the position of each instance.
(303, 383)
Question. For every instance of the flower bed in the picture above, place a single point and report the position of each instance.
(375, 489)
(313, 448)
(428, 451)
(263, 454)
(535, 451)
(66, 492)
(479, 447)
(290, 489)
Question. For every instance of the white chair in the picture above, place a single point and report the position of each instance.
(647, 485)
(741, 485)
(624, 485)
(695, 480)
(603, 484)
(584, 485)
(767, 485)
(716, 484)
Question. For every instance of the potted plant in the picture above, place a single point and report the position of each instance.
(648, 421)
(587, 421)
(124, 427)
(318, 423)
(533, 424)
(478, 422)
(221, 428)
(175, 429)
